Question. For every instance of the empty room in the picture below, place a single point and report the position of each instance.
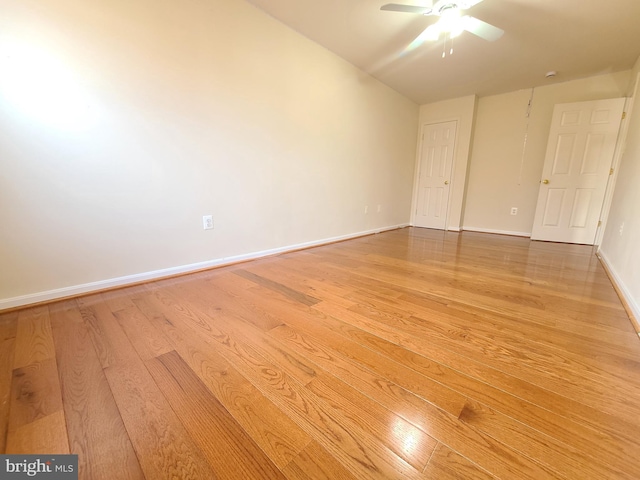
(302, 239)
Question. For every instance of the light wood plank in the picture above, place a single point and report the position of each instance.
(36, 397)
(163, 446)
(424, 386)
(122, 298)
(34, 342)
(446, 464)
(229, 450)
(148, 341)
(561, 458)
(96, 431)
(278, 287)
(280, 437)
(35, 393)
(296, 366)
(45, 435)
(400, 435)
(315, 463)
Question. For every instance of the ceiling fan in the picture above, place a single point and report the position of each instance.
(450, 23)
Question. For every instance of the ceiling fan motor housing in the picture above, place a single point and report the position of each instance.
(445, 5)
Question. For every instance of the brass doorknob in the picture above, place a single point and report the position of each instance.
(446, 182)
(545, 181)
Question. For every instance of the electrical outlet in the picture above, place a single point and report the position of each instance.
(207, 222)
(514, 210)
(621, 228)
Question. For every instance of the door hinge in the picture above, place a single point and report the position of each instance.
(611, 171)
(599, 223)
(624, 115)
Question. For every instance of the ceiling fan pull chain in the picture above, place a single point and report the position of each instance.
(444, 45)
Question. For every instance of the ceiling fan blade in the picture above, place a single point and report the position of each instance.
(482, 29)
(396, 7)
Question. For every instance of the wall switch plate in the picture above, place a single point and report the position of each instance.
(514, 210)
(207, 222)
(379, 208)
(366, 209)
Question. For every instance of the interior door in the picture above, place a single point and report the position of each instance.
(434, 175)
(576, 169)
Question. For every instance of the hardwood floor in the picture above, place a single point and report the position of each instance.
(409, 354)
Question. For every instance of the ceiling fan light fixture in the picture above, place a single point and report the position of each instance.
(450, 20)
(457, 29)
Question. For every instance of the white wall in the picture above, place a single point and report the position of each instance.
(462, 110)
(620, 247)
(500, 176)
(122, 123)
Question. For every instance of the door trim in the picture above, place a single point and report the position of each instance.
(615, 164)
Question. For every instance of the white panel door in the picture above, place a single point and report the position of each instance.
(434, 174)
(576, 169)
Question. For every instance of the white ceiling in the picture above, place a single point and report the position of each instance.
(577, 38)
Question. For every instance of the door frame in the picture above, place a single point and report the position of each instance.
(416, 177)
(615, 164)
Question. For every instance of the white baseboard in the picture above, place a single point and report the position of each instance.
(498, 232)
(621, 288)
(76, 290)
